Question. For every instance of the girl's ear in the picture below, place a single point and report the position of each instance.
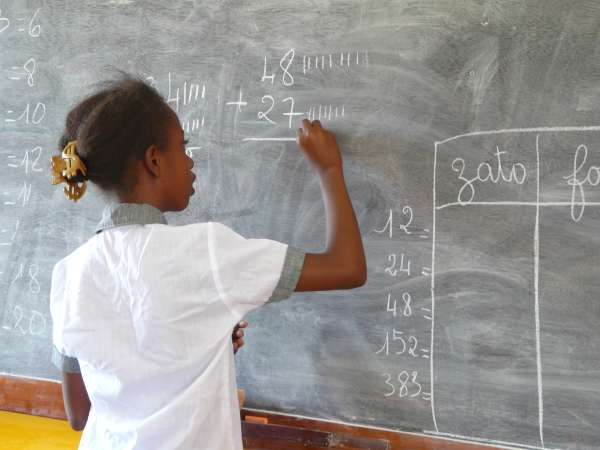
(153, 160)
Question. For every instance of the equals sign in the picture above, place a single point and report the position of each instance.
(426, 396)
(15, 77)
(427, 310)
(425, 350)
(426, 271)
(425, 234)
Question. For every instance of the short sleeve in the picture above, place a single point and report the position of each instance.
(65, 363)
(57, 311)
(290, 274)
(250, 272)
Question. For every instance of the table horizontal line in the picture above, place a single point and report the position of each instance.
(535, 204)
(520, 130)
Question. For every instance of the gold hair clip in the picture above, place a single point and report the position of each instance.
(65, 167)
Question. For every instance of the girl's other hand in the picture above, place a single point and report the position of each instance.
(238, 335)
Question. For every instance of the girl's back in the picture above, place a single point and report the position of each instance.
(152, 329)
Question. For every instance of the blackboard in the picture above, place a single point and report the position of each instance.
(470, 132)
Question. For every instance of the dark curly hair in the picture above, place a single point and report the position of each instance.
(113, 127)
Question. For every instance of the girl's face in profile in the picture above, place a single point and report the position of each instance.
(179, 177)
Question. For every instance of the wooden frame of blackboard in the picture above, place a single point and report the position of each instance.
(44, 398)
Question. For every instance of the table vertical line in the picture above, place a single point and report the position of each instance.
(536, 252)
(431, 353)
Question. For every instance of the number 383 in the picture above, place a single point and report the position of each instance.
(405, 384)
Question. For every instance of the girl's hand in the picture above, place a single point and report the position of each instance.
(319, 146)
(238, 335)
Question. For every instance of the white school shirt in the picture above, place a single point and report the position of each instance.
(146, 311)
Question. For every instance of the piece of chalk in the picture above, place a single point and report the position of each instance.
(256, 419)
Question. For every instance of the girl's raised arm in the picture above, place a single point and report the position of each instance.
(343, 264)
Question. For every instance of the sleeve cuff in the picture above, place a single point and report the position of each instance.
(292, 267)
(65, 363)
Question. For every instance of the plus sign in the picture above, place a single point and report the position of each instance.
(239, 103)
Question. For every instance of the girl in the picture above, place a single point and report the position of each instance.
(143, 312)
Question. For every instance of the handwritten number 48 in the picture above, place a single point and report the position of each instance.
(285, 62)
(406, 309)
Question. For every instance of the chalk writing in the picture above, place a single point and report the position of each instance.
(29, 162)
(334, 60)
(34, 117)
(487, 173)
(405, 227)
(34, 29)
(287, 79)
(405, 384)
(582, 175)
(403, 266)
(26, 321)
(578, 179)
(4, 22)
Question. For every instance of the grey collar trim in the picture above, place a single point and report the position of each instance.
(129, 214)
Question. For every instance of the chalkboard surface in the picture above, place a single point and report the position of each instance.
(472, 158)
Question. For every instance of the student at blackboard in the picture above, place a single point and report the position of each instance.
(143, 312)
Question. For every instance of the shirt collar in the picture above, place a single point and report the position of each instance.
(129, 214)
